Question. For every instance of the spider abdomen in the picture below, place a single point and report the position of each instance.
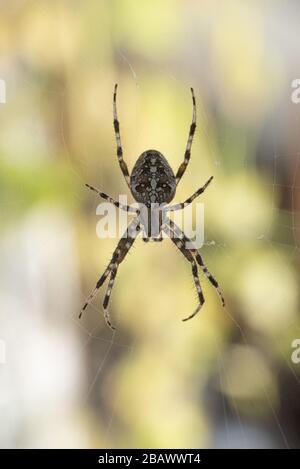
(152, 180)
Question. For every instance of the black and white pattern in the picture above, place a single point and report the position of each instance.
(122, 163)
(152, 180)
(187, 154)
(153, 185)
(118, 256)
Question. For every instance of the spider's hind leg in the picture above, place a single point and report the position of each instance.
(189, 256)
(95, 291)
(107, 298)
(118, 256)
(210, 277)
(198, 258)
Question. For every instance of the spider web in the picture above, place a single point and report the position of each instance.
(281, 434)
(104, 347)
(236, 427)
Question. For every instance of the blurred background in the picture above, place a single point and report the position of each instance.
(226, 378)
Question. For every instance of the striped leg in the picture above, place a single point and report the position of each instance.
(125, 245)
(122, 163)
(198, 258)
(127, 208)
(118, 256)
(95, 291)
(107, 298)
(210, 277)
(189, 256)
(187, 154)
(190, 199)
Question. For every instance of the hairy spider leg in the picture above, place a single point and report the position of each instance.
(198, 258)
(189, 256)
(118, 256)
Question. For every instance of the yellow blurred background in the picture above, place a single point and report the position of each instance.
(226, 378)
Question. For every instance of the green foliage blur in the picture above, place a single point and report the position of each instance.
(221, 379)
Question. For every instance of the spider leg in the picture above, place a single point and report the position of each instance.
(123, 250)
(122, 163)
(107, 298)
(190, 199)
(118, 256)
(95, 291)
(189, 256)
(127, 208)
(198, 258)
(187, 154)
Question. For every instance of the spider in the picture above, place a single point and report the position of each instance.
(153, 185)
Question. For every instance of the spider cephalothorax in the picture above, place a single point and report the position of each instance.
(153, 185)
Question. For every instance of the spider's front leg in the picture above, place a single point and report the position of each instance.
(187, 155)
(118, 256)
(122, 163)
